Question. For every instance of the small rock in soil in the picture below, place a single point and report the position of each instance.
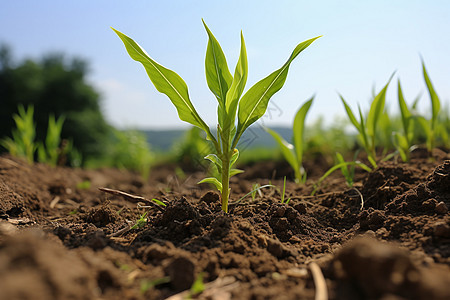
(181, 271)
(441, 229)
(441, 208)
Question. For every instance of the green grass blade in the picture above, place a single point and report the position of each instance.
(167, 82)
(218, 75)
(254, 103)
(299, 129)
(286, 148)
(435, 102)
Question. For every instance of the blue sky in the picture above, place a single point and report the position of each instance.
(363, 43)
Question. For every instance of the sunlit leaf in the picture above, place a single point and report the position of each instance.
(167, 82)
(299, 128)
(254, 103)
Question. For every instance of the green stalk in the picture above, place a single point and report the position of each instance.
(226, 159)
(225, 181)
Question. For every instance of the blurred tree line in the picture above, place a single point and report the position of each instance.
(54, 85)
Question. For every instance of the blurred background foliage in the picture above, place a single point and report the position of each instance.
(54, 85)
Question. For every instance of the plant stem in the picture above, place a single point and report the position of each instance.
(225, 180)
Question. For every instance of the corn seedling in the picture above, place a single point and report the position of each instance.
(294, 153)
(228, 90)
(343, 166)
(367, 126)
(431, 126)
(50, 151)
(22, 143)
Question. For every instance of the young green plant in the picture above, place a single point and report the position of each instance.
(367, 127)
(294, 153)
(22, 143)
(50, 151)
(228, 90)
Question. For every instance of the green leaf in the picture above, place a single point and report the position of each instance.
(218, 75)
(350, 114)
(286, 148)
(214, 181)
(238, 84)
(235, 172)
(376, 109)
(216, 161)
(234, 157)
(167, 82)
(158, 202)
(425, 124)
(404, 110)
(435, 102)
(299, 128)
(253, 104)
(344, 169)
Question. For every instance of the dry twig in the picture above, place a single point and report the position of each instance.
(319, 282)
(130, 197)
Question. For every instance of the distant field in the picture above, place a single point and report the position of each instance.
(254, 137)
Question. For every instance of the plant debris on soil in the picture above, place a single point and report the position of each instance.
(387, 237)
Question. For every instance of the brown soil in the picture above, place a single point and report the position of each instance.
(389, 241)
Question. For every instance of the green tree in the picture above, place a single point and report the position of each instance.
(57, 86)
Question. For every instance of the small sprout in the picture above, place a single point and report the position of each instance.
(141, 222)
(255, 189)
(148, 284)
(73, 212)
(197, 287)
(342, 165)
(283, 194)
(84, 185)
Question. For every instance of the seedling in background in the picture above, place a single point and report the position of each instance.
(343, 166)
(431, 126)
(403, 139)
(228, 90)
(294, 153)
(50, 151)
(367, 127)
(22, 142)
